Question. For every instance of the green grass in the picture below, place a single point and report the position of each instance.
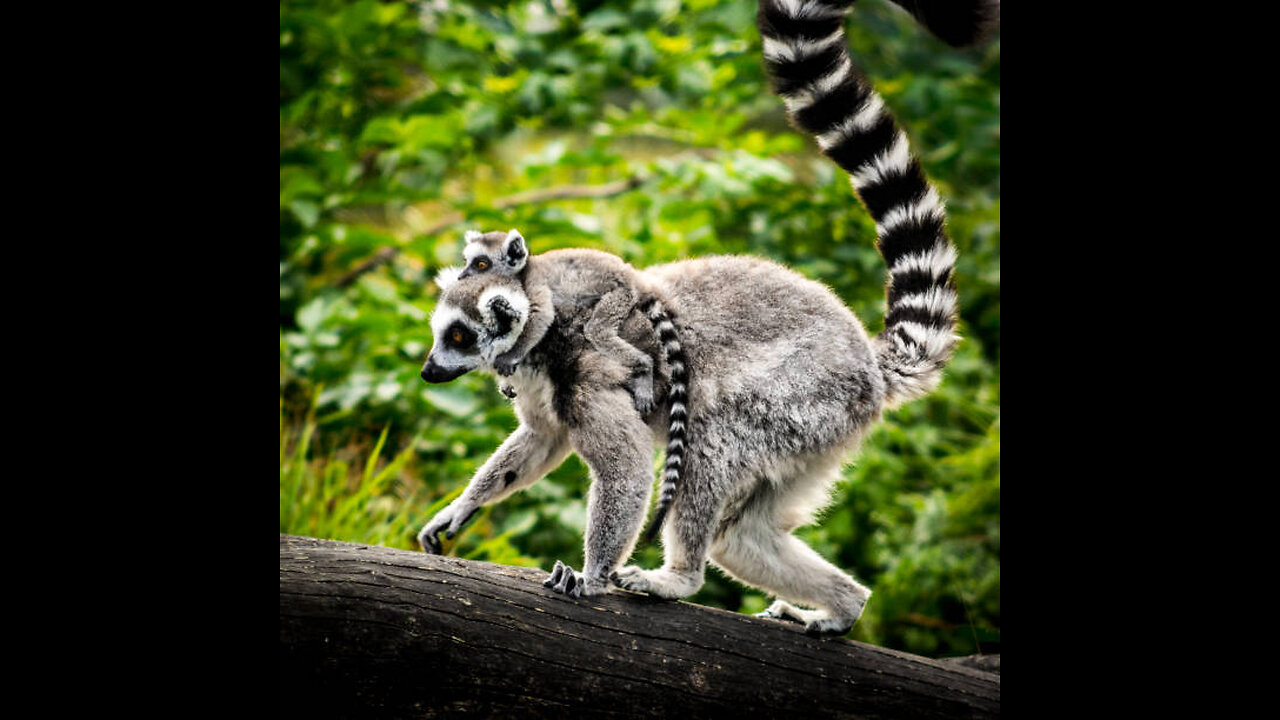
(329, 497)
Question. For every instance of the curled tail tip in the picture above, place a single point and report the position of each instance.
(958, 23)
(651, 532)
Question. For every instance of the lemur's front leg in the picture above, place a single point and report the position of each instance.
(617, 446)
(541, 314)
(522, 458)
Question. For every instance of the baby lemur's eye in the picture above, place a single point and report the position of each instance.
(482, 264)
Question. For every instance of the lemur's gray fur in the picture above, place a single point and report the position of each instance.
(597, 275)
(784, 380)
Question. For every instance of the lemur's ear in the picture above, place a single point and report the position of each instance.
(472, 235)
(504, 316)
(514, 248)
(447, 277)
(505, 312)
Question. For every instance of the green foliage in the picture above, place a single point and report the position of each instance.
(404, 124)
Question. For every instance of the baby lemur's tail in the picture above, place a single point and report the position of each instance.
(678, 395)
(826, 96)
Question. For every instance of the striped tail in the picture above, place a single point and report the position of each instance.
(826, 96)
(678, 395)
(956, 22)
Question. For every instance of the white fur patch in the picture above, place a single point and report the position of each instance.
(858, 122)
(936, 261)
(927, 208)
(472, 250)
(443, 317)
(934, 343)
(447, 277)
(811, 93)
(472, 235)
(798, 48)
(936, 301)
(809, 9)
(890, 162)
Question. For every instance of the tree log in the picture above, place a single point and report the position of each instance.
(370, 631)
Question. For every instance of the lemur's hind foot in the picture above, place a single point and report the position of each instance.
(816, 622)
(663, 583)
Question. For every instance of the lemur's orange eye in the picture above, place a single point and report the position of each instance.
(457, 337)
(482, 264)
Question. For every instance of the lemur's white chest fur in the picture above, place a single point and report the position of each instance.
(535, 396)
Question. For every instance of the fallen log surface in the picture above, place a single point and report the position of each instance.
(370, 631)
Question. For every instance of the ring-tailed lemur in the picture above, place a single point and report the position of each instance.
(785, 379)
(482, 317)
(614, 285)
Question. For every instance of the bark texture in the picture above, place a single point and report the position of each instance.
(375, 632)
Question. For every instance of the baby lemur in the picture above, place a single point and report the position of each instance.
(613, 285)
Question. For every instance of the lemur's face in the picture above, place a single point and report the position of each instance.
(494, 252)
(475, 320)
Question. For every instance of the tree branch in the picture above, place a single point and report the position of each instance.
(370, 631)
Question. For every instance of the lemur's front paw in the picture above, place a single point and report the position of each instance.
(506, 364)
(450, 520)
(644, 397)
(661, 583)
(567, 581)
(507, 390)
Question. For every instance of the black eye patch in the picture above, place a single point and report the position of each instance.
(459, 336)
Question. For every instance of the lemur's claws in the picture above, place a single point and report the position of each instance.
(566, 581)
(430, 543)
(554, 577)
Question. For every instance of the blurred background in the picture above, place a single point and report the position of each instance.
(645, 129)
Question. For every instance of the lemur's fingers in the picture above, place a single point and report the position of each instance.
(565, 580)
(506, 364)
(428, 541)
(458, 524)
(642, 392)
(446, 519)
(781, 610)
(554, 577)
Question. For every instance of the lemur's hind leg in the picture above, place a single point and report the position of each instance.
(762, 555)
(602, 331)
(616, 445)
(757, 548)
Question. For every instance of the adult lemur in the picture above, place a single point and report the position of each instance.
(784, 381)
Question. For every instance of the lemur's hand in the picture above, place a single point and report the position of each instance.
(642, 389)
(451, 519)
(506, 363)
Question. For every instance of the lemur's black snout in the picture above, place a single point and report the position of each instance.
(433, 373)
